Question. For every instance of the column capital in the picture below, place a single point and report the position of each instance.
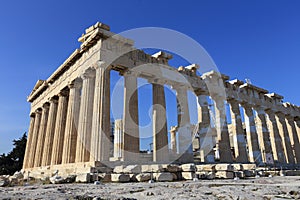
(46, 106)
(89, 73)
(63, 93)
(77, 83)
(101, 64)
(53, 99)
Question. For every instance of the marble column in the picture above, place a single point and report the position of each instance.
(85, 117)
(293, 137)
(223, 142)
(275, 138)
(297, 124)
(286, 142)
(60, 124)
(48, 145)
(69, 151)
(35, 134)
(41, 137)
(206, 138)
(173, 139)
(101, 132)
(131, 138)
(252, 137)
(185, 139)
(29, 142)
(160, 131)
(239, 141)
(264, 136)
(118, 138)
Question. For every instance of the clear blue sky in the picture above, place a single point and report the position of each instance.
(259, 40)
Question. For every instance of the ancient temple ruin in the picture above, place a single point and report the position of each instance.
(70, 127)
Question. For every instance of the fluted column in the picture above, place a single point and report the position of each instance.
(85, 117)
(118, 138)
(29, 141)
(286, 142)
(239, 141)
(223, 142)
(60, 124)
(173, 139)
(35, 134)
(293, 137)
(69, 151)
(184, 127)
(131, 147)
(41, 137)
(100, 143)
(48, 145)
(206, 139)
(275, 138)
(264, 136)
(252, 137)
(160, 131)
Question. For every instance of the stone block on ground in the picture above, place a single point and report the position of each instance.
(249, 173)
(152, 168)
(249, 166)
(83, 178)
(18, 175)
(4, 181)
(143, 177)
(188, 167)
(118, 169)
(224, 167)
(122, 178)
(224, 175)
(164, 176)
(173, 168)
(238, 167)
(132, 169)
(104, 177)
(206, 167)
(57, 179)
(211, 175)
(188, 175)
(292, 173)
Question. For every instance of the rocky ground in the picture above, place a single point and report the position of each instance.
(256, 188)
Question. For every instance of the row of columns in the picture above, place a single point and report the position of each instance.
(270, 136)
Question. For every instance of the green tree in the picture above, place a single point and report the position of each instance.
(13, 161)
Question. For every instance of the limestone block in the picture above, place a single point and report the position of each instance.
(132, 169)
(18, 175)
(133, 177)
(57, 179)
(224, 167)
(119, 169)
(239, 174)
(188, 175)
(3, 181)
(292, 173)
(173, 168)
(238, 167)
(249, 166)
(211, 175)
(201, 175)
(104, 177)
(70, 179)
(165, 176)
(175, 176)
(224, 174)
(152, 168)
(249, 173)
(120, 178)
(143, 177)
(83, 178)
(206, 167)
(188, 167)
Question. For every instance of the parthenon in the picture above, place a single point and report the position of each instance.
(70, 117)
